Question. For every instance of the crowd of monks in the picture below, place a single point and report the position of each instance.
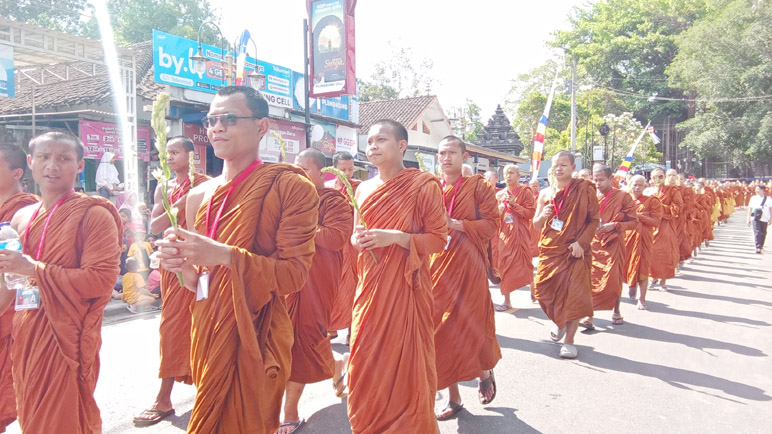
(270, 261)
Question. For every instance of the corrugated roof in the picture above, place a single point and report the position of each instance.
(404, 110)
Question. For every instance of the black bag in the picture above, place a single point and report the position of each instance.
(758, 212)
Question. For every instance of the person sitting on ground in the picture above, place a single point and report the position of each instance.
(141, 251)
(154, 278)
(135, 292)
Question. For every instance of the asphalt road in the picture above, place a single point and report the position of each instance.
(696, 362)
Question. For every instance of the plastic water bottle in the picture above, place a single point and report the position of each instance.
(9, 240)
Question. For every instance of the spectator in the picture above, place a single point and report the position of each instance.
(759, 210)
(130, 204)
(107, 181)
(141, 251)
(154, 278)
(145, 213)
(135, 291)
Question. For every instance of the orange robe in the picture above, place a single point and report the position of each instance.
(175, 314)
(465, 328)
(686, 218)
(392, 373)
(7, 395)
(664, 252)
(241, 335)
(514, 239)
(344, 301)
(55, 348)
(535, 233)
(563, 283)
(309, 309)
(638, 241)
(608, 248)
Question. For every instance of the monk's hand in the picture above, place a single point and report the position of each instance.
(576, 250)
(376, 238)
(548, 211)
(455, 224)
(15, 262)
(606, 227)
(180, 247)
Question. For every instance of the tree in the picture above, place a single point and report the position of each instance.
(403, 71)
(726, 59)
(61, 15)
(466, 121)
(371, 91)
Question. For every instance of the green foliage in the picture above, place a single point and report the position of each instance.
(726, 58)
(371, 91)
(61, 15)
(403, 72)
(467, 121)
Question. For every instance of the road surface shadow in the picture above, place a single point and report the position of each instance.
(332, 419)
(712, 270)
(746, 301)
(729, 284)
(508, 422)
(180, 420)
(675, 377)
(658, 307)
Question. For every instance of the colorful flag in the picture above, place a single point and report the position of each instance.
(541, 130)
(625, 166)
(654, 137)
(241, 58)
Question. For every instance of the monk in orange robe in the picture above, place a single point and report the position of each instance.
(309, 308)
(13, 164)
(687, 218)
(71, 259)
(252, 244)
(568, 221)
(638, 241)
(344, 302)
(617, 216)
(392, 373)
(175, 313)
(535, 233)
(515, 230)
(465, 328)
(664, 252)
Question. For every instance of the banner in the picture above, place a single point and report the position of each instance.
(346, 140)
(197, 133)
(172, 66)
(101, 137)
(294, 136)
(7, 84)
(625, 166)
(326, 143)
(332, 52)
(541, 130)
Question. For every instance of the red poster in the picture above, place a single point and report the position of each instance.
(197, 133)
(101, 137)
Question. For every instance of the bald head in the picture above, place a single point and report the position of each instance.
(466, 170)
(312, 161)
(492, 177)
(585, 174)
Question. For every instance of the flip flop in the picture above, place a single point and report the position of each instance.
(454, 410)
(296, 425)
(587, 324)
(568, 352)
(641, 305)
(484, 385)
(502, 308)
(156, 416)
(342, 392)
(632, 292)
(617, 320)
(557, 334)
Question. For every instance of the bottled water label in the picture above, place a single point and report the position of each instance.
(13, 244)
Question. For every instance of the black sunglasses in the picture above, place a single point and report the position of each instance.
(227, 120)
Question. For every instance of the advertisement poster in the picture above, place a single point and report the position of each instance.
(346, 140)
(7, 86)
(332, 47)
(294, 136)
(326, 143)
(335, 107)
(172, 66)
(101, 137)
(197, 133)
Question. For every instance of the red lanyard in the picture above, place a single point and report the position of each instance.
(558, 206)
(180, 188)
(603, 203)
(212, 230)
(455, 193)
(47, 223)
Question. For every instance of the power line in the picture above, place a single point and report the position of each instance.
(696, 100)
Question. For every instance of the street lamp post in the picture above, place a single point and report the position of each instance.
(307, 90)
(199, 60)
(603, 129)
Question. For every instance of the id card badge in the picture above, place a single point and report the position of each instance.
(27, 298)
(202, 289)
(509, 219)
(448, 243)
(557, 224)
(600, 224)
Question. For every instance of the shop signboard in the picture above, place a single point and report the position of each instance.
(197, 133)
(335, 107)
(7, 86)
(101, 137)
(172, 66)
(294, 136)
(346, 140)
(332, 47)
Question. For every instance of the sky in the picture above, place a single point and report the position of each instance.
(477, 46)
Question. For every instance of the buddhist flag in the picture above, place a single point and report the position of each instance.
(625, 166)
(653, 136)
(241, 57)
(541, 130)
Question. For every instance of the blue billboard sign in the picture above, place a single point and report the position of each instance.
(336, 107)
(172, 66)
(7, 86)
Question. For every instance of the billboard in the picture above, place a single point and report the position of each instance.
(346, 140)
(197, 133)
(332, 47)
(294, 136)
(101, 137)
(7, 84)
(172, 66)
(335, 107)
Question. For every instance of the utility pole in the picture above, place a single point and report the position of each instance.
(573, 103)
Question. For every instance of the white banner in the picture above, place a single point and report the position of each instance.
(346, 140)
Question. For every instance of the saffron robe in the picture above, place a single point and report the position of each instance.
(55, 349)
(175, 313)
(514, 240)
(563, 284)
(465, 328)
(687, 221)
(309, 309)
(664, 252)
(392, 374)
(535, 233)
(241, 335)
(344, 301)
(639, 241)
(608, 248)
(14, 203)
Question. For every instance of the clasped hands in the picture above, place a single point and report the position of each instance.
(368, 239)
(180, 251)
